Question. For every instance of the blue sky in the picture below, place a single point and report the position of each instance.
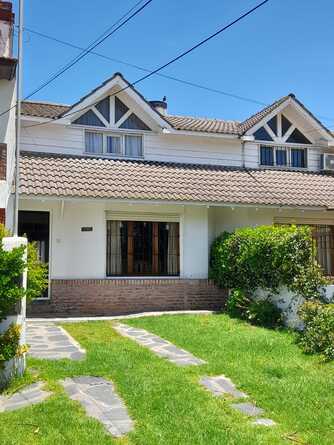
(286, 46)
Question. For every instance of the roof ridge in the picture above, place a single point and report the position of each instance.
(203, 118)
(42, 102)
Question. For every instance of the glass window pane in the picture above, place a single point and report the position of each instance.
(273, 124)
(94, 142)
(298, 158)
(133, 146)
(297, 137)
(262, 135)
(114, 145)
(281, 157)
(266, 155)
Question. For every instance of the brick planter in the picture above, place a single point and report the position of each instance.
(126, 296)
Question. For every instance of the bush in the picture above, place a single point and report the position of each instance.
(12, 266)
(262, 312)
(267, 257)
(318, 334)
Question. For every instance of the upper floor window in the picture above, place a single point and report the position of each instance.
(114, 144)
(283, 156)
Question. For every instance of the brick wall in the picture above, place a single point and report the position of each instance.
(3, 161)
(118, 297)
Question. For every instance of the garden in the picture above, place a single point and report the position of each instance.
(288, 373)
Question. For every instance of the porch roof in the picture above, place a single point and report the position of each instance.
(87, 177)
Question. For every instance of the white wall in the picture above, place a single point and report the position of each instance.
(76, 254)
(7, 134)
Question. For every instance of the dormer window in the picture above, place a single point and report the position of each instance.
(123, 145)
(280, 156)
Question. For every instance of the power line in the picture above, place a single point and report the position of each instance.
(140, 68)
(175, 59)
(111, 30)
(165, 76)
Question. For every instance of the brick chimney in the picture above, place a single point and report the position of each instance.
(7, 18)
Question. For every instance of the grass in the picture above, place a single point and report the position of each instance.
(167, 403)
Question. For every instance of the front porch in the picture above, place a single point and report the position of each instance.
(100, 265)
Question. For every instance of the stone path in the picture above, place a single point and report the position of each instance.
(99, 399)
(159, 346)
(30, 395)
(52, 342)
(219, 385)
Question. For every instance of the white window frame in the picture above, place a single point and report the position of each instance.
(120, 135)
(288, 149)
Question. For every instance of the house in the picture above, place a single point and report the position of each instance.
(125, 199)
(8, 100)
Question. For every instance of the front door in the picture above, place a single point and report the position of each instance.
(36, 227)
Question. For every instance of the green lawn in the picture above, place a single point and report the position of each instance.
(167, 403)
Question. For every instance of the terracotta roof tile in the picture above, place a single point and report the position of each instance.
(203, 124)
(85, 177)
(43, 109)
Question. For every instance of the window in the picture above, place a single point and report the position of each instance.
(137, 248)
(114, 144)
(267, 155)
(283, 156)
(298, 157)
(94, 142)
(324, 240)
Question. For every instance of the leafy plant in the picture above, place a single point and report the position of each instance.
(267, 257)
(12, 266)
(10, 344)
(262, 312)
(318, 334)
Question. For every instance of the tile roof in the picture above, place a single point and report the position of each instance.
(86, 177)
(257, 117)
(204, 125)
(185, 123)
(42, 109)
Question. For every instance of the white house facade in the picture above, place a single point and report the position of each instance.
(125, 200)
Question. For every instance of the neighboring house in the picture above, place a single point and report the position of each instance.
(7, 101)
(125, 199)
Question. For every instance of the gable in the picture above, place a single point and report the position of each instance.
(116, 104)
(280, 129)
(287, 121)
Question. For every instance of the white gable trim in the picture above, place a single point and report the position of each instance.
(299, 109)
(119, 84)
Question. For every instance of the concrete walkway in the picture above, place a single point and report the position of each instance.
(51, 342)
(30, 395)
(99, 399)
(159, 346)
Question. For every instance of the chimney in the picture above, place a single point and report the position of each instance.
(6, 29)
(160, 105)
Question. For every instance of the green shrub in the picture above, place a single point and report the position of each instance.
(261, 312)
(264, 313)
(10, 344)
(267, 257)
(37, 275)
(318, 334)
(12, 266)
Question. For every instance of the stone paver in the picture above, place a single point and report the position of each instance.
(220, 385)
(99, 399)
(248, 409)
(159, 346)
(52, 342)
(264, 422)
(30, 395)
